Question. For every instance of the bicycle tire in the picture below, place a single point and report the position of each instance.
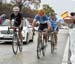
(44, 47)
(20, 46)
(52, 48)
(52, 43)
(39, 48)
(15, 49)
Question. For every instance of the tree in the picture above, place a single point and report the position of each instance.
(47, 9)
(27, 12)
(4, 9)
(26, 3)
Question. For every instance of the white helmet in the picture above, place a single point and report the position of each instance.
(16, 8)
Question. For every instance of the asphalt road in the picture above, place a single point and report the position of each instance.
(28, 56)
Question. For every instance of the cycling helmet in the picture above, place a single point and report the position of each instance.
(52, 14)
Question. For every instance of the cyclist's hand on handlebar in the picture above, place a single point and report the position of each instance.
(10, 27)
(20, 26)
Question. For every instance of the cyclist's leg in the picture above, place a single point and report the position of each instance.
(55, 36)
(45, 34)
(39, 31)
(20, 33)
(43, 27)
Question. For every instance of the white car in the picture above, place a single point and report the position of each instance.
(27, 32)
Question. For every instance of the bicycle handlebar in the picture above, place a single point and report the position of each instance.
(17, 29)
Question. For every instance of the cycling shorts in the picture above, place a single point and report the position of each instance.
(42, 27)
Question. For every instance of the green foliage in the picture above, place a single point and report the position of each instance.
(47, 9)
(27, 12)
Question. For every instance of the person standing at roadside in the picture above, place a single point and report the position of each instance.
(2, 18)
(73, 17)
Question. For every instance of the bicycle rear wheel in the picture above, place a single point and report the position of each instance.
(15, 44)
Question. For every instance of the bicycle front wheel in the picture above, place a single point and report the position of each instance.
(15, 44)
(39, 48)
(20, 46)
(52, 43)
(44, 44)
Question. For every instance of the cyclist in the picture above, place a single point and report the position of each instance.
(43, 20)
(18, 20)
(54, 25)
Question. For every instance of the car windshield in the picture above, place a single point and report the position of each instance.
(6, 23)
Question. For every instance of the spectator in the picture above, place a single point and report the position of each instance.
(2, 18)
(73, 16)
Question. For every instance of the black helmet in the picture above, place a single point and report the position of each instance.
(72, 13)
(52, 14)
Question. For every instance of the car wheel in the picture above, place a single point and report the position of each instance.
(27, 40)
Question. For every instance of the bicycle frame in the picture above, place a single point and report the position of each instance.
(41, 45)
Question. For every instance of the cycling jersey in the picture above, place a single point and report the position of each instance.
(43, 22)
(53, 24)
(17, 19)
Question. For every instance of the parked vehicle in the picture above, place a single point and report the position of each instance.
(7, 37)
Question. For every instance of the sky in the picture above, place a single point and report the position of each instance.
(60, 6)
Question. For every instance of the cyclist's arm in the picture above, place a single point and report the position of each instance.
(21, 23)
(58, 24)
(33, 24)
(49, 25)
(21, 17)
(10, 23)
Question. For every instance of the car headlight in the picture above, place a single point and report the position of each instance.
(23, 33)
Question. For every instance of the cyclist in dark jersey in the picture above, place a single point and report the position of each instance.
(18, 20)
